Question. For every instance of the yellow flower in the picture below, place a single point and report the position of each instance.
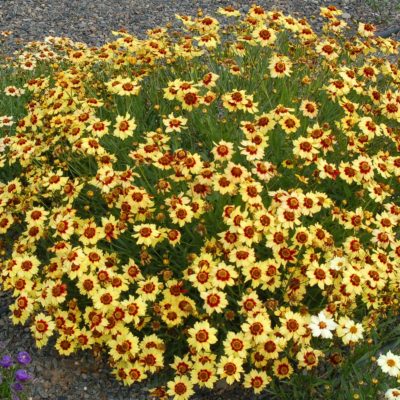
(214, 301)
(282, 368)
(228, 11)
(124, 347)
(257, 328)
(147, 234)
(42, 328)
(264, 36)
(309, 108)
(236, 345)
(181, 388)
(289, 123)
(124, 126)
(65, 346)
(204, 375)
(308, 357)
(174, 124)
(230, 368)
(256, 380)
(280, 66)
(202, 336)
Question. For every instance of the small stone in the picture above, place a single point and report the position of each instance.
(346, 16)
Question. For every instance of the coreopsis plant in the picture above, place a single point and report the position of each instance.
(217, 202)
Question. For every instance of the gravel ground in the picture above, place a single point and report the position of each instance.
(81, 376)
(92, 21)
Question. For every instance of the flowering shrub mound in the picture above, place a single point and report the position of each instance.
(219, 202)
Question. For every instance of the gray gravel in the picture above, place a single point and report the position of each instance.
(80, 376)
(92, 21)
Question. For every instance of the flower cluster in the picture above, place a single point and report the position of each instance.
(221, 203)
(13, 375)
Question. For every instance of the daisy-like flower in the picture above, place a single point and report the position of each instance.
(327, 49)
(202, 336)
(42, 328)
(256, 380)
(389, 363)
(236, 344)
(392, 394)
(181, 388)
(264, 36)
(127, 87)
(309, 108)
(204, 375)
(322, 326)
(98, 127)
(230, 368)
(349, 331)
(214, 301)
(282, 368)
(366, 30)
(228, 11)
(6, 120)
(257, 328)
(13, 91)
(289, 123)
(147, 234)
(174, 124)
(280, 66)
(124, 126)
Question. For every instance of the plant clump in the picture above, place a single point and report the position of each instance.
(219, 202)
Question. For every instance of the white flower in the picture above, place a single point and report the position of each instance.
(6, 120)
(349, 330)
(337, 263)
(389, 363)
(392, 394)
(322, 325)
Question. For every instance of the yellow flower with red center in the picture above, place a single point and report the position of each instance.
(228, 11)
(42, 328)
(149, 288)
(257, 328)
(264, 36)
(90, 233)
(124, 347)
(98, 127)
(230, 368)
(204, 375)
(181, 388)
(214, 301)
(282, 368)
(147, 234)
(201, 336)
(309, 108)
(293, 325)
(280, 66)
(124, 126)
(181, 215)
(256, 380)
(174, 124)
(289, 123)
(366, 30)
(236, 344)
(327, 49)
(308, 357)
(127, 87)
(223, 151)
